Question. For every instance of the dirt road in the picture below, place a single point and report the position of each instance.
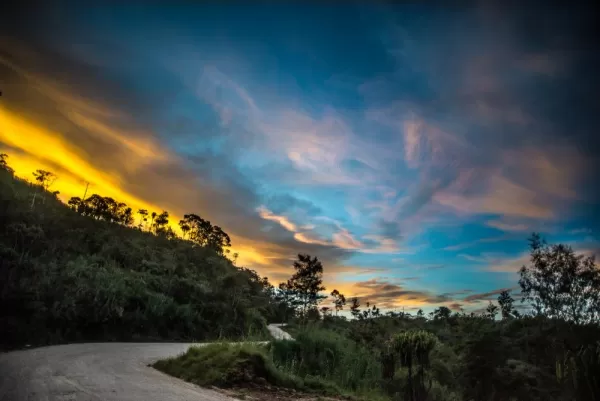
(98, 371)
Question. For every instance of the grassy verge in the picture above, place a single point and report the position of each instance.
(262, 370)
(242, 366)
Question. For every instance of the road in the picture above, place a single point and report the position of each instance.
(99, 371)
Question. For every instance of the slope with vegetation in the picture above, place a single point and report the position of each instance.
(549, 352)
(85, 272)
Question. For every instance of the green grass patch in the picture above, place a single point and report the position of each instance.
(318, 362)
(237, 365)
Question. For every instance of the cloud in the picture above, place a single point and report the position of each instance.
(340, 237)
(460, 118)
(484, 296)
(82, 139)
(465, 245)
(501, 263)
(282, 220)
(387, 295)
(504, 226)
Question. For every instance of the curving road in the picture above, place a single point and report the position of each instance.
(100, 371)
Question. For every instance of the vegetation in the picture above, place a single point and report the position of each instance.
(91, 270)
(84, 272)
(238, 366)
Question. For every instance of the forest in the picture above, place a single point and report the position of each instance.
(93, 270)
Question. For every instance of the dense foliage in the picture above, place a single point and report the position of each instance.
(82, 272)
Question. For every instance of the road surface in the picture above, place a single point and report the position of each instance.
(99, 371)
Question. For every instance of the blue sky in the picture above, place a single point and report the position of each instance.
(412, 148)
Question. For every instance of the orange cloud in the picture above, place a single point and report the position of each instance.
(31, 146)
(281, 220)
(41, 147)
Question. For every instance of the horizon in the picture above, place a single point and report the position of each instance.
(411, 148)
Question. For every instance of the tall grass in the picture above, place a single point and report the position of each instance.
(317, 361)
(331, 357)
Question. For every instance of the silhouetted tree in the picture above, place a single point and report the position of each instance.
(561, 284)
(442, 313)
(153, 216)
(160, 222)
(339, 300)
(143, 218)
(185, 227)
(287, 301)
(506, 305)
(218, 240)
(355, 307)
(44, 178)
(4, 163)
(307, 282)
(325, 311)
(203, 233)
(491, 311)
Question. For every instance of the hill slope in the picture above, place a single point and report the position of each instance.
(65, 277)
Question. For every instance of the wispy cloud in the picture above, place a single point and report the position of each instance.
(453, 131)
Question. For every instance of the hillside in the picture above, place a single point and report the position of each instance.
(69, 277)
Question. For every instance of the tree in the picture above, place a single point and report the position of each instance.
(412, 349)
(286, 300)
(442, 313)
(203, 233)
(420, 314)
(355, 307)
(44, 178)
(185, 227)
(325, 311)
(506, 305)
(143, 218)
(76, 204)
(199, 229)
(4, 164)
(126, 216)
(491, 311)
(339, 300)
(160, 222)
(561, 284)
(307, 282)
(218, 240)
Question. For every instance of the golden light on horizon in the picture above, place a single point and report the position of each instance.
(31, 146)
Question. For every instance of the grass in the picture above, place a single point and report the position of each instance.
(318, 362)
(329, 356)
(237, 365)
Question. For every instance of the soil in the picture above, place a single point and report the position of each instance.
(270, 393)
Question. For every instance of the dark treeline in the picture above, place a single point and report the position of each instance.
(547, 347)
(88, 272)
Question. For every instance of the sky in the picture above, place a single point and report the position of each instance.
(411, 147)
